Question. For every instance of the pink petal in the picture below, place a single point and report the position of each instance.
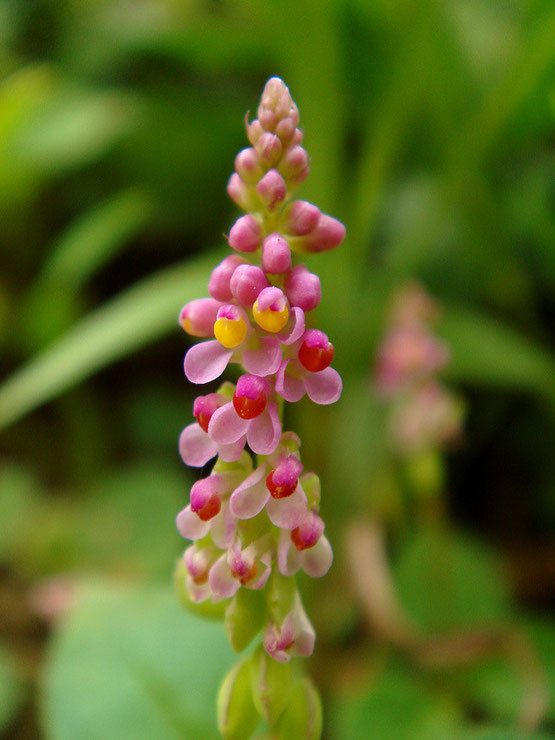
(289, 559)
(265, 359)
(287, 513)
(323, 387)
(317, 560)
(248, 499)
(265, 431)
(222, 583)
(288, 386)
(195, 446)
(206, 361)
(190, 526)
(296, 332)
(226, 426)
(224, 526)
(260, 582)
(197, 592)
(232, 452)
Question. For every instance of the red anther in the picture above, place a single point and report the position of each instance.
(299, 543)
(210, 508)
(280, 491)
(315, 359)
(249, 408)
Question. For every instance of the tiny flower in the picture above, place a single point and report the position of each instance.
(235, 338)
(240, 192)
(303, 288)
(274, 485)
(294, 636)
(262, 430)
(276, 254)
(305, 547)
(246, 284)
(249, 567)
(268, 147)
(219, 284)
(209, 510)
(295, 377)
(294, 164)
(271, 310)
(198, 562)
(197, 317)
(245, 235)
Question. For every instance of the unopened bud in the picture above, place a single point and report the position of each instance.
(268, 147)
(300, 217)
(247, 165)
(276, 254)
(303, 288)
(218, 285)
(197, 317)
(237, 715)
(245, 235)
(272, 188)
(247, 283)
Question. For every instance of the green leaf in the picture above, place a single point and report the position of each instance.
(485, 351)
(446, 579)
(132, 665)
(143, 313)
(396, 706)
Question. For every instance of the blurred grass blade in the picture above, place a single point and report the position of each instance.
(141, 315)
(90, 242)
(488, 352)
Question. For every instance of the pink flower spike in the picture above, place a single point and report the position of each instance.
(247, 165)
(295, 326)
(205, 497)
(303, 288)
(190, 526)
(324, 387)
(308, 532)
(294, 636)
(283, 479)
(224, 527)
(245, 234)
(198, 562)
(300, 217)
(254, 129)
(272, 188)
(197, 317)
(218, 285)
(265, 356)
(276, 254)
(315, 561)
(206, 361)
(249, 399)
(195, 446)
(226, 426)
(288, 513)
(316, 351)
(246, 284)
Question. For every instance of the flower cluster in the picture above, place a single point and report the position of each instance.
(424, 414)
(257, 523)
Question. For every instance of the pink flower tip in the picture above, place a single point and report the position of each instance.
(219, 283)
(246, 284)
(272, 188)
(197, 317)
(303, 288)
(276, 254)
(245, 234)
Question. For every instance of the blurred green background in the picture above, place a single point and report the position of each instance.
(430, 124)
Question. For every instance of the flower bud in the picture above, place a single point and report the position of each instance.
(316, 351)
(272, 188)
(270, 310)
(254, 130)
(247, 166)
(204, 407)
(205, 501)
(249, 399)
(230, 327)
(294, 162)
(246, 284)
(239, 192)
(244, 617)
(197, 317)
(286, 128)
(268, 148)
(300, 217)
(271, 685)
(308, 532)
(303, 288)
(245, 234)
(237, 715)
(302, 717)
(282, 481)
(218, 285)
(328, 234)
(276, 254)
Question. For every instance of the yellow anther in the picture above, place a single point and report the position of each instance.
(269, 320)
(230, 332)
